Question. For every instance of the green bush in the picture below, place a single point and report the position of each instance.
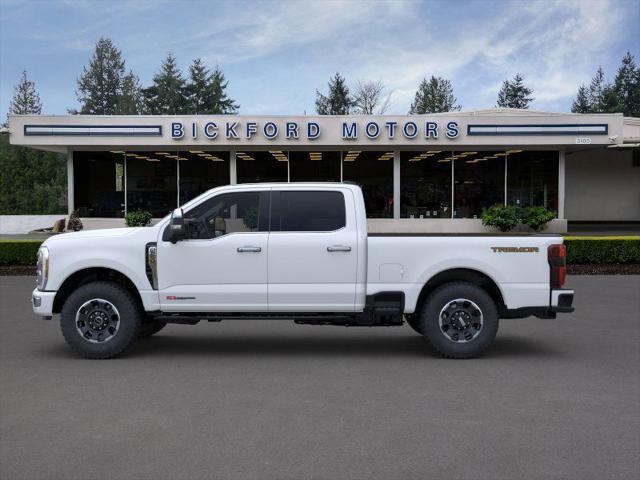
(507, 217)
(504, 218)
(138, 219)
(19, 252)
(536, 217)
(586, 250)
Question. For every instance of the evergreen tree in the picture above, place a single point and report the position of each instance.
(100, 85)
(338, 101)
(167, 95)
(196, 89)
(130, 101)
(25, 99)
(514, 94)
(596, 91)
(218, 101)
(433, 96)
(206, 92)
(581, 104)
(31, 181)
(627, 86)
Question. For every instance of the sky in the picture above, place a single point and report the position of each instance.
(275, 54)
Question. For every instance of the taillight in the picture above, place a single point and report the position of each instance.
(557, 254)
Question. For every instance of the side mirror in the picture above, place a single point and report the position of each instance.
(176, 226)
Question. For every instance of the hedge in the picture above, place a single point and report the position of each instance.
(589, 250)
(19, 252)
(580, 250)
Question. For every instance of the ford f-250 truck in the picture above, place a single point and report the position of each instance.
(293, 251)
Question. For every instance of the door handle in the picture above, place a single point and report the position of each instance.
(249, 249)
(338, 248)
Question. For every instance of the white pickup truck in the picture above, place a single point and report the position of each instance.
(298, 251)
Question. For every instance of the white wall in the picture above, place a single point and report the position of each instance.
(11, 224)
(602, 185)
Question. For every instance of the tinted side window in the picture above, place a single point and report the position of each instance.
(227, 213)
(310, 212)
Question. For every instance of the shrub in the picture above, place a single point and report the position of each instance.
(74, 222)
(138, 219)
(537, 217)
(19, 252)
(585, 250)
(504, 218)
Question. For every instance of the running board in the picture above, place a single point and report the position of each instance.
(302, 319)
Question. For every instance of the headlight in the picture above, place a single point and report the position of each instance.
(42, 272)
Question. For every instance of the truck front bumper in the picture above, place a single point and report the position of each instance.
(42, 302)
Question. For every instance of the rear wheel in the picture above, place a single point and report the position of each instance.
(100, 320)
(459, 319)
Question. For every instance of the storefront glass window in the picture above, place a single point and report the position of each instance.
(425, 184)
(255, 167)
(478, 182)
(532, 178)
(200, 171)
(314, 166)
(99, 184)
(373, 171)
(152, 182)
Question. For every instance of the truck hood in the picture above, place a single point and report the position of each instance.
(149, 233)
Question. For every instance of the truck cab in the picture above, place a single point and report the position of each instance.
(298, 251)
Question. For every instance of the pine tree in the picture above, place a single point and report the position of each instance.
(627, 86)
(196, 89)
(581, 104)
(338, 101)
(433, 96)
(99, 86)
(514, 94)
(206, 92)
(167, 95)
(218, 100)
(596, 91)
(130, 101)
(25, 99)
(31, 181)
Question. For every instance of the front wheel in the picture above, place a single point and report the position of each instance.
(459, 319)
(100, 319)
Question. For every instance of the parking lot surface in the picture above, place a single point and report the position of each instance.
(273, 400)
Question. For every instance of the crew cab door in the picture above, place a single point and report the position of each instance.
(221, 265)
(313, 250)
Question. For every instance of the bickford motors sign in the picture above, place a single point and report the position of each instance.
(310, 130)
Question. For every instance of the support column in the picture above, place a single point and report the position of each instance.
(70, 183)
(233, 173)
(561, 177)
(177, 183)
(396, 184)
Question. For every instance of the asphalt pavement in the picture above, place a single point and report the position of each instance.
(273, 400)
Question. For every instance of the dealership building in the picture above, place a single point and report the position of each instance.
(419, 173)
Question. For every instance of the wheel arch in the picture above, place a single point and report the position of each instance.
(92, 274)
(470, 275)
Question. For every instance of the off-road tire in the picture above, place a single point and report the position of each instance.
(413, 321)
(129, 312)
(442, 297)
